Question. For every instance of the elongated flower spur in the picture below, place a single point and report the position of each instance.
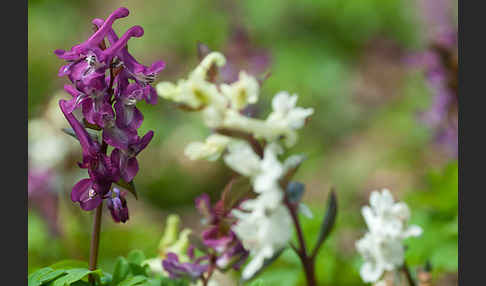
(107, 83)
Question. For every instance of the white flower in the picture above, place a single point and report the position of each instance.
(387, 217)
(286, 113)
(210, 150)
(380, 254)
(262, 234)
(242, 92)
(284, 120)
(243, 159)
(195, 92)
(382, 247)
(264, 173)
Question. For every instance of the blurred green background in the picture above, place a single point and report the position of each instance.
(343, 58)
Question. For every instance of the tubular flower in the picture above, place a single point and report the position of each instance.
(107, 82)
(117, 205)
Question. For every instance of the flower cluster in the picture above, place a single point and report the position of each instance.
(221, 248)
(263, 223)
(221, 105)
(382, 246)
(107, 82)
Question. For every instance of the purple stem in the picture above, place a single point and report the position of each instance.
(95, 241)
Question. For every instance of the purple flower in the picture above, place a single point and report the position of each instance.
(118, 206)
(125, 159)
(107, 83)
(177, 269)
(89, 192)
(142, 75)
(97, 109)
(218, 236)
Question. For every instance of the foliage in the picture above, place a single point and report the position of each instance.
(128, 271)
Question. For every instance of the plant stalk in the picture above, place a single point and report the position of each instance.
(307, 261)
(95, 241)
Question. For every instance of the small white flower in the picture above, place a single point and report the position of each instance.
(380, 254)
(285, 111)
(285, 119)
(382, 247)
(242, 92)
(210, 150)
(264, 173)
(243, 159)
(195, 92)
(387, 217)
(262, 233)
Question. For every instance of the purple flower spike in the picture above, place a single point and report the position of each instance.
(177, 270)
(107, 90)
(118, 206)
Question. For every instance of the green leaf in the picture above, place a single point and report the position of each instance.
(328, 222)
(258, 282)
(73, 275)
(136, 256)
(69, 264)
(129, 186)
(134, 280)
(44, 275)
(121, 271)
